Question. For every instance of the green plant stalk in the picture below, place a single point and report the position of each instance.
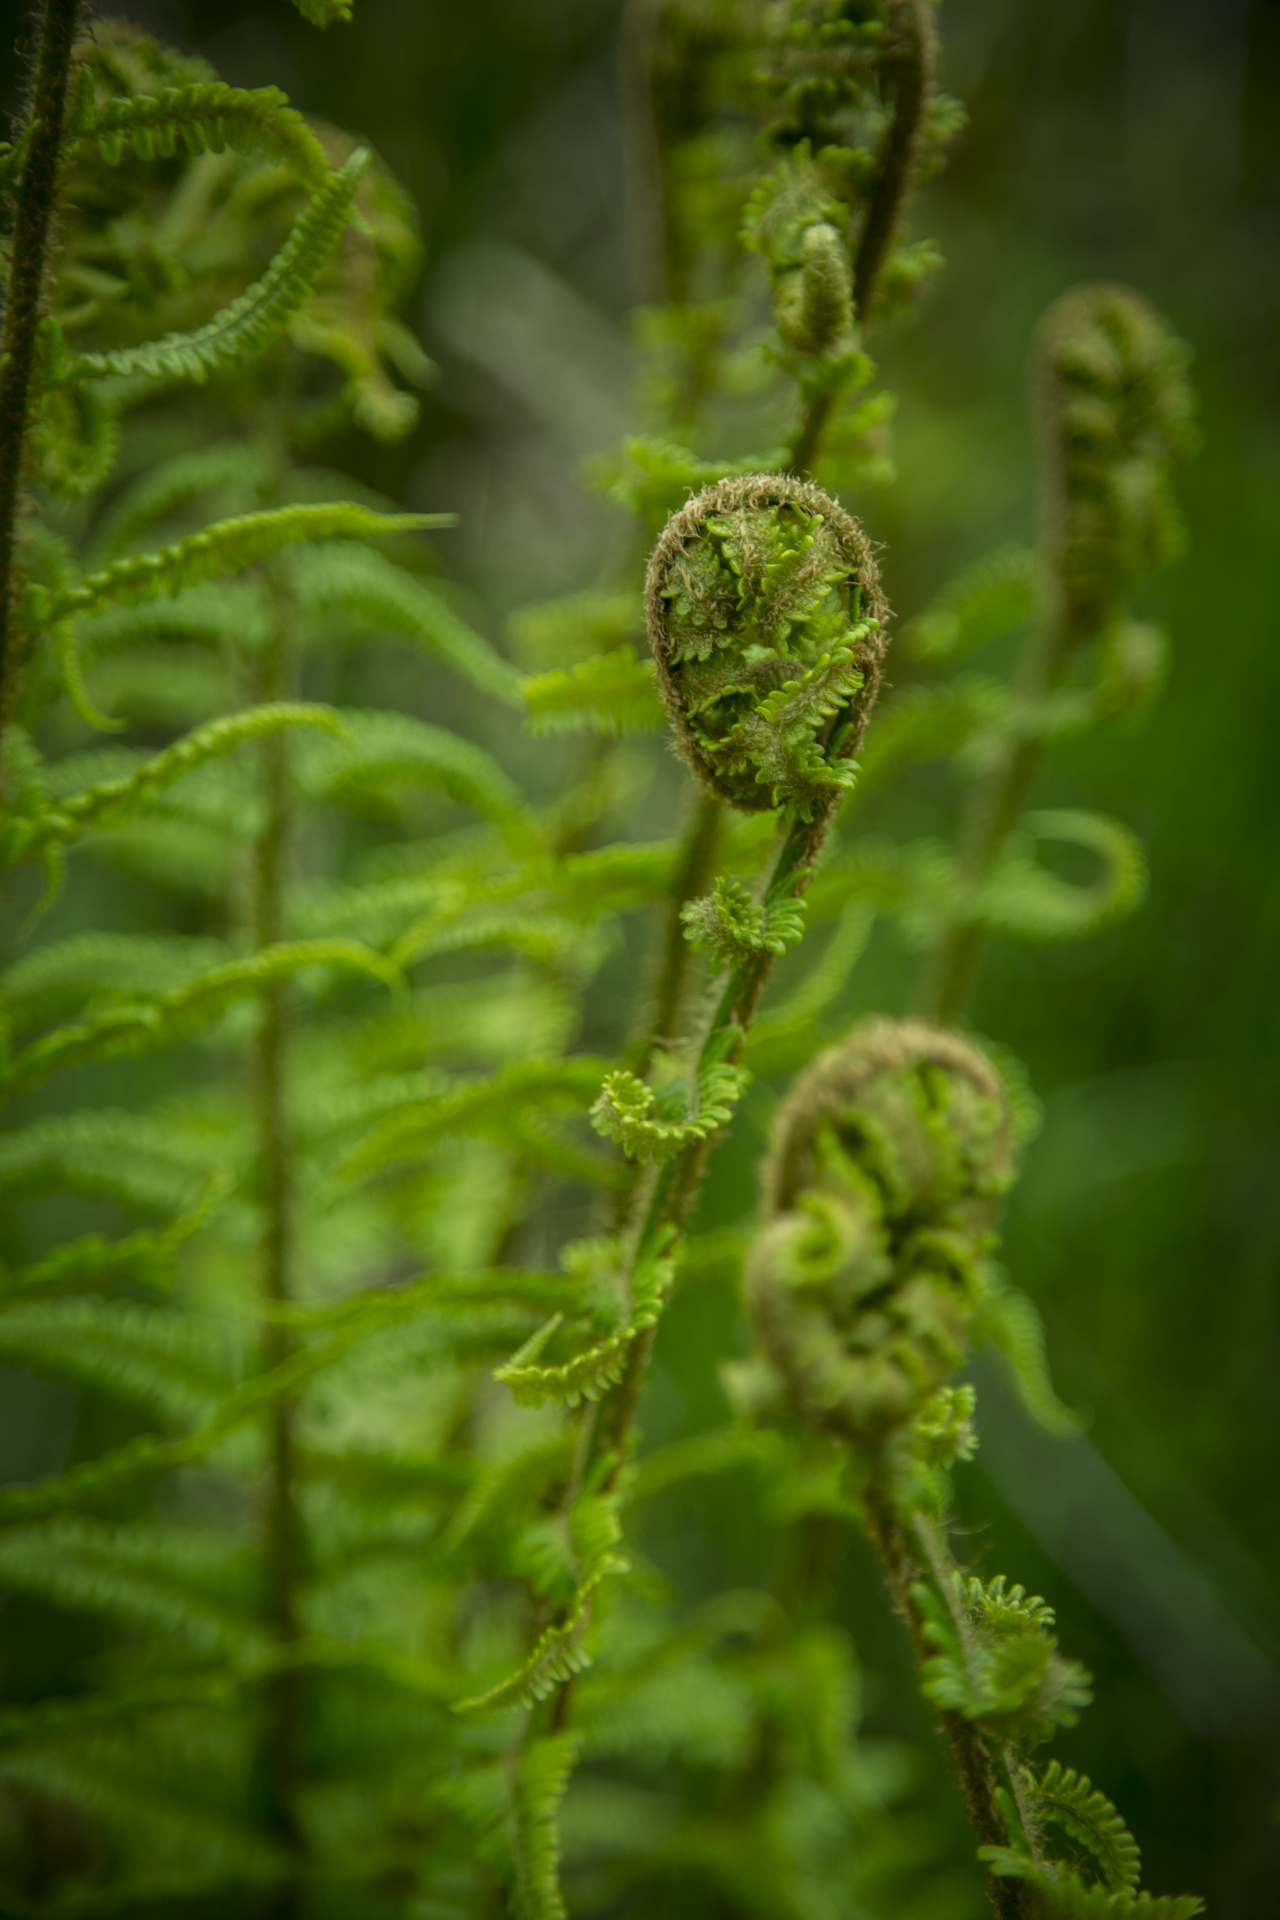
(282, 1700)
(695, 870)
(975, 1768)
(35, 201)
(911, 26)
(673, 1188)
(642, 146)
(994, 812)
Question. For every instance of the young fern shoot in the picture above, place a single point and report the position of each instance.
(889, 1159)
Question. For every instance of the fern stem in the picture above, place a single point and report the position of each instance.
(283, 1539)
(699, 852)
(970, 1757)
(911, 31)
(642, 147)
(911, 64)
(995, 811)
(35, 201)
(674, 1189)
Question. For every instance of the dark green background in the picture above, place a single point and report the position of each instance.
(1133, 139)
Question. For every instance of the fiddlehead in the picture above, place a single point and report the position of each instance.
(889, 1160)
(1114, 415)
(766, 623)
(857, 123)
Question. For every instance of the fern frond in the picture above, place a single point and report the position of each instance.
(1072, 1802)
(559, 1654)
(105, 802)
(719, 1451)
(165, 1580)
(384, 749)
(167, 1017)
(165, 1361)
(228, 546)
(1065, 1896)
(1011, 1321)
(590, 1374)
(521, 1473)
(147, 1163)
(144, 1258)
(609, 693)
(627, 1112)
(153, 1797)
(46, 983)
(478, 1105)
(730, 926)
(208, 117)
(542, 1780)
(253, 321)
(988, 599)
(356, 581)
(1022, 898)
(242, 466)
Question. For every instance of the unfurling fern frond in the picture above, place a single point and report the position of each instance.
(1065, 1896)
(729, 925)
(767, 628)
(559, 1653)
(630, 1113)
(208, 117)
(1012, 1323)
(1022, 898)
(253, 321)
(1070, 1801)
(590, 1374)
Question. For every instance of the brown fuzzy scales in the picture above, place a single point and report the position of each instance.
(761, 493)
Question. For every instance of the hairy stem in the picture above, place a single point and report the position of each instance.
(970, 1757)
(35, 200)
(283, 1537)
(695, 869)
(642, 147)
(911, 66)
(673, 1189)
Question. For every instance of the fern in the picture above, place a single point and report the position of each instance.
(358, 1311)
(627, 1112)
(1068, 1800)
(1066, 1897)
(607, 693)
(558, 1655)
(251, 323)
(544, 1773)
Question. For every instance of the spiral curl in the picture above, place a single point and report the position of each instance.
(1115, 414)
(888, 1161)
(767, 625)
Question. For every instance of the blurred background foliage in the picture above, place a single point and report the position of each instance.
(1135, 139)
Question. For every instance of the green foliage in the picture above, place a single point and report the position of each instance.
(308, 1032)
